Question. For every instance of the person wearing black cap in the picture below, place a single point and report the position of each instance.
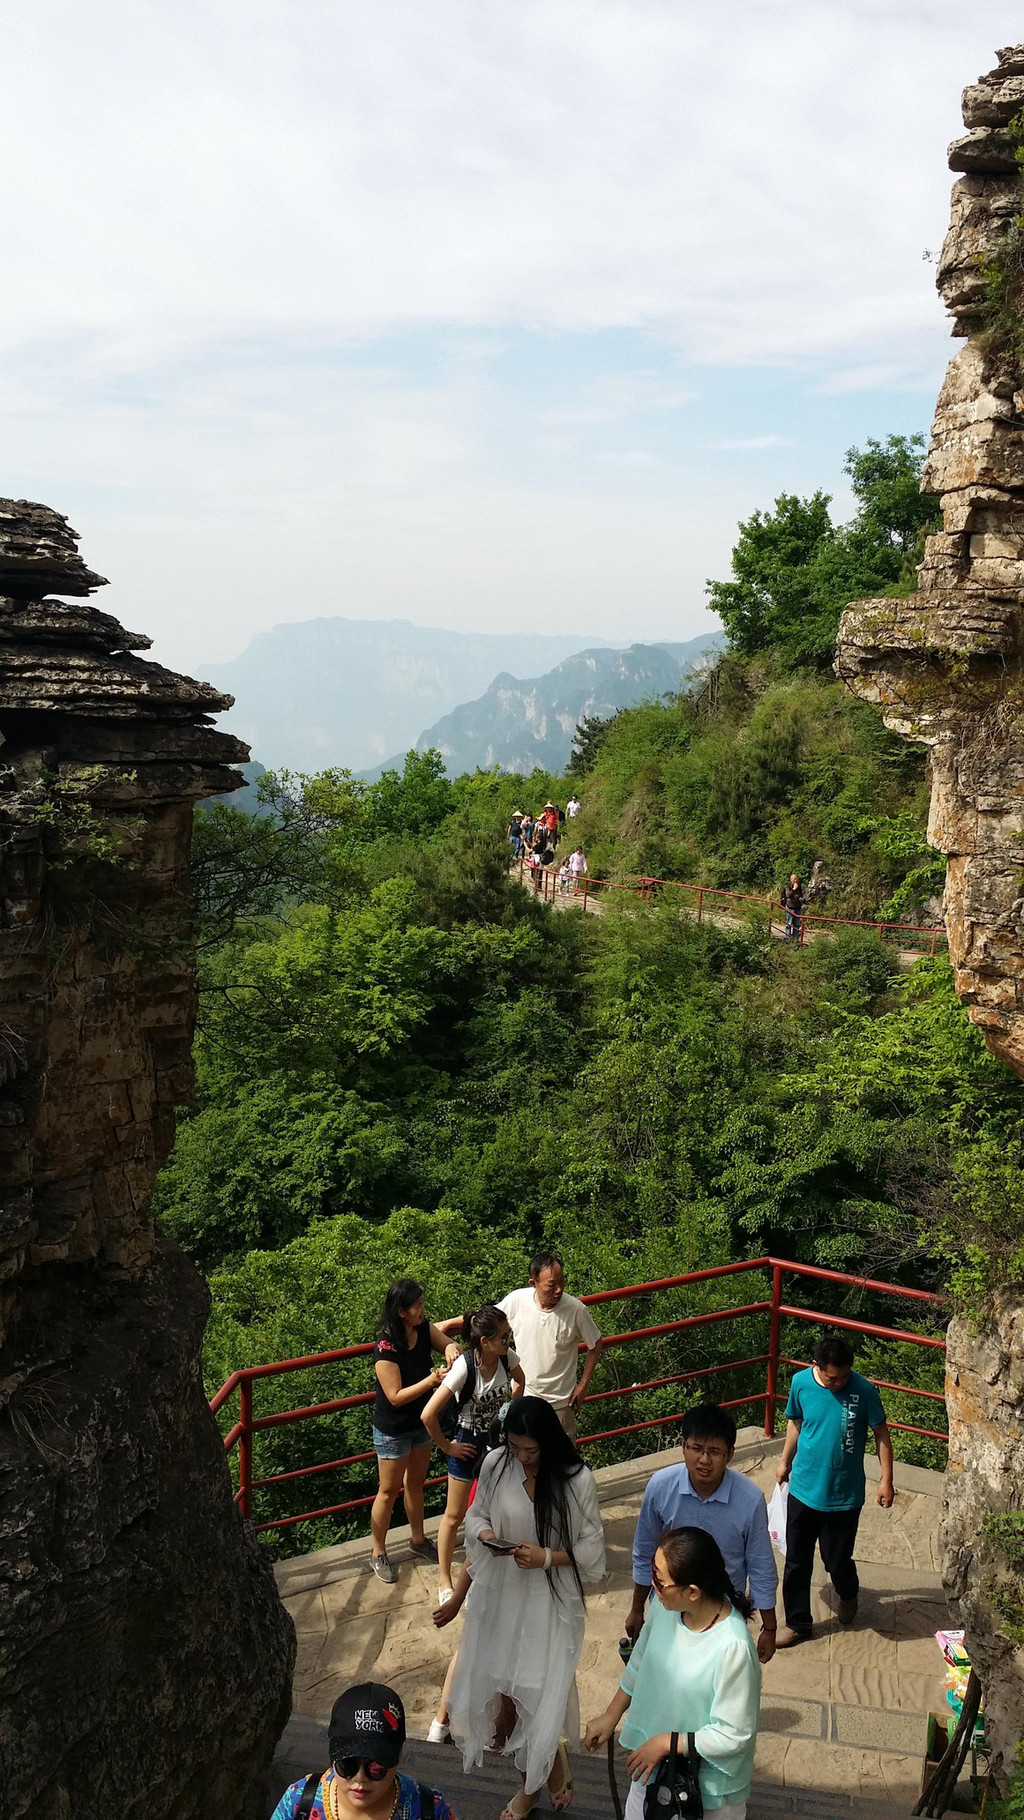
(365, 1738)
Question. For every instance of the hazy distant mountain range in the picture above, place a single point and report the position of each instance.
(360, 693)
(353, 691)
(522, 724)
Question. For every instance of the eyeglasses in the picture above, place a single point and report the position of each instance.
(701, 1451)
(349, 1767)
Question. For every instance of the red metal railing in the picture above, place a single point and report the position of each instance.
(585, 891)
(248, 1425)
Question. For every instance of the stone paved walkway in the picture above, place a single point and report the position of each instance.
(844, 1712)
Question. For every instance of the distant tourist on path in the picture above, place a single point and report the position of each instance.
(547, 1328)
(703, 1492)
(405, 1381)
(364, 1738)
(482, 1383)
(514, 834)
(514, 1686)
(793, 903)
(573, 807)
(578, 866)
(565, 877)
(694, 1669)
(830, 1409)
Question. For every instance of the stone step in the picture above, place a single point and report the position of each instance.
(482, 1793)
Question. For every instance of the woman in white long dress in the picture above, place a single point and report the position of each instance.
(514, 1683)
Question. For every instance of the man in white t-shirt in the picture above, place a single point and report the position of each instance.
(548, 1326)
(573, 807)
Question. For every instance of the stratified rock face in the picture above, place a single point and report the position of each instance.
(985, 1398)
(144, 1655)
(947, 665)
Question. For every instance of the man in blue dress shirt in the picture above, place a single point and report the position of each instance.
(704, 1493)
(830, 1409)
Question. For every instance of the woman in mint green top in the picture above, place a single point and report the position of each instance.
(694, 1669)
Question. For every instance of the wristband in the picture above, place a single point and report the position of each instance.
(547, 1560)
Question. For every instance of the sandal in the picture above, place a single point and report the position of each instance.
(562, 1796)
(511, 1812)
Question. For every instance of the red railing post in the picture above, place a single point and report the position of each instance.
(775, 1323)
(800, 943)
(245, 1447)
(933, 941)
(700, 903)
(584, 891)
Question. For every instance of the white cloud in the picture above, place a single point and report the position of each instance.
(742, 444)
(216, 213)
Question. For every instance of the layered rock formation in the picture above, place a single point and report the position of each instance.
(947, 667)
(144, 1656)
(946, 664)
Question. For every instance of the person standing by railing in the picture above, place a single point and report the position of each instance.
(547, 1328)
(497, 1376)
(704, 1492)
(577, 867)
(405, 1380)
(793, 904)
(830, 1409)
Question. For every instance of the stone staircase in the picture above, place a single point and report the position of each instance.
(843, 1718)
(482, 1793)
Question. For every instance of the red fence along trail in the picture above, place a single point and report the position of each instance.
(925, 938)
(772, 1305)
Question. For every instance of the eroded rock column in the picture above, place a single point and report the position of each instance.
(145, 1659)
(946, 667)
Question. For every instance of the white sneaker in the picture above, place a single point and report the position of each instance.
(444, 1593)
(438, 1731)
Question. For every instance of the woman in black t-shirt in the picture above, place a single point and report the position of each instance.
(405, 1379)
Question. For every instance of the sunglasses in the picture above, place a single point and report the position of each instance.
(349, 1767)
(661, 1585)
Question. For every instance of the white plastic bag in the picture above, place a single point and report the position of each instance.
(777, 1508)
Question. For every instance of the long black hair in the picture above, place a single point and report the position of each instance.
(693, 1558)
(560, 1461)
(403, 1293)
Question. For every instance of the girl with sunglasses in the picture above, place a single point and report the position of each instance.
(365, 1739)
(533, 1535)
(496, 1377)
(694, 1669)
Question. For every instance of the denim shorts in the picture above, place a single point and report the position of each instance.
(395, 1447)
(468, 1469)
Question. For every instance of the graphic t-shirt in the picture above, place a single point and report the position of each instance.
(414, 1363)
(483, 1407)
(547, 1341)
(828, 1472)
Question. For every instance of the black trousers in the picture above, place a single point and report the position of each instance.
(835, 1532)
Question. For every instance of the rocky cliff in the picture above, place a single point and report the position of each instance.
(946, 667)
(144, 1656)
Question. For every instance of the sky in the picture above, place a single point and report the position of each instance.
(488, 314)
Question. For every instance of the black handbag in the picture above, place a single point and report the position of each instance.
(673, 1793)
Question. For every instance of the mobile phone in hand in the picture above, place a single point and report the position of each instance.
(498, 1546)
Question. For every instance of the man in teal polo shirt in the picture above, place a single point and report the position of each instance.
(830, 1409)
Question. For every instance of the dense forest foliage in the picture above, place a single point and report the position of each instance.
(407, 1064)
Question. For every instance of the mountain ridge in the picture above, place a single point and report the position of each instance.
(525, 723)
(337, 691)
